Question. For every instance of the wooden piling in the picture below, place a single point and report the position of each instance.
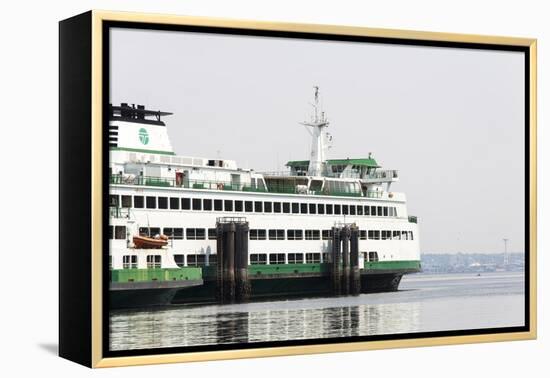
(243, 288)
(233, 283)
(229, 268)
(355, 284)
(220, 263)
(335, 263)
(345, 236)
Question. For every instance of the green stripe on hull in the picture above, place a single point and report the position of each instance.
(393, 265)
(197, 273)
(287, 269)
(275, 269)
(319, 268)
(325, 267)
(156, 274)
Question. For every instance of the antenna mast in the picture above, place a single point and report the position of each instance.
(319, 138)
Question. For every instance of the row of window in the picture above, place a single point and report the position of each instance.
(290, 258)
(298, 258)
(130, 261)
(327, 235)
(195, 260)
(154, 261)
(119, 232)
(176, 203)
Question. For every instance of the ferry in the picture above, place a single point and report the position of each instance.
(165, 211)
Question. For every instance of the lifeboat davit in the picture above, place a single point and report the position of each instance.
(145, 242)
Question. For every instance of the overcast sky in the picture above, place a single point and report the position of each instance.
(450, 120)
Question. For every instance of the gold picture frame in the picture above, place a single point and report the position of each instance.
(82, 320)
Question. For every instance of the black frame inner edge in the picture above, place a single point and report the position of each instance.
(107, 25)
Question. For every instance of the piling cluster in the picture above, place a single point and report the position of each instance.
(345, 272)
(233, 284)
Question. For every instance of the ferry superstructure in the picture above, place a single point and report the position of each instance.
(290, 216)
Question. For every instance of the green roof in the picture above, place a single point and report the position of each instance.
(298, 163)
(369, 162)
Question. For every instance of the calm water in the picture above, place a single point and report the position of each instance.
(423, 303)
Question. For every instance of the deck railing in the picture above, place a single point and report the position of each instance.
(184, 183)
(272, 187)
(386, 174)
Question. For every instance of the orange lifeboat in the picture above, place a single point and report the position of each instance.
(145, 242)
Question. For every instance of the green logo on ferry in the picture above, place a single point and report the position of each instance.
(143, 136)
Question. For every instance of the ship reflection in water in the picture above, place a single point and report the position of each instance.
(424, 303)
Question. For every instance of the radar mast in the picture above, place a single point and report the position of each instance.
(319, 138)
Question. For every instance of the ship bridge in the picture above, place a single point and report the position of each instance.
(365, 169)
(353, 177)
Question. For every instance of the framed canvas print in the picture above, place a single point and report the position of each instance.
(235, 189)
